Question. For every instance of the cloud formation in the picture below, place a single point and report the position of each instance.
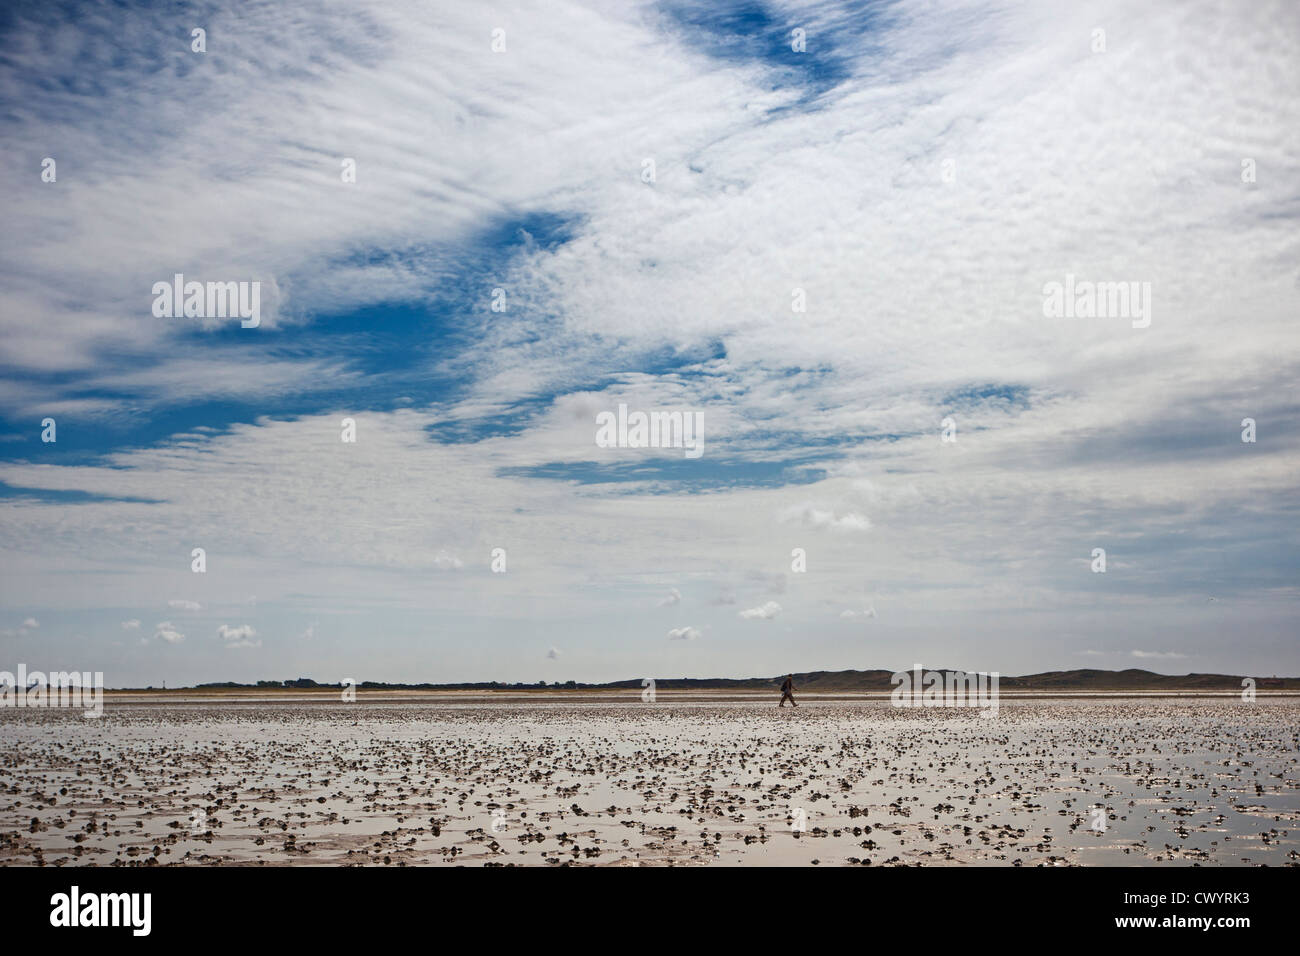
(764, 612)
(241, 636)
(166, 631)
(831, 261)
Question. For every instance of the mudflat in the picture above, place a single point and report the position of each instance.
(606, 779)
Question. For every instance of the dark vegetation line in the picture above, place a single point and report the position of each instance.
(813, 681)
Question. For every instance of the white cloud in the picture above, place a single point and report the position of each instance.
(178, 604)
(764, 612)
(819, 518)
(29, 624)
(1174, 655)
(683, 634)
(241, 636)
(852, 613)
(131, 625)
(166, 631)
(673, 597)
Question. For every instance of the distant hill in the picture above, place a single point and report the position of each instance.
(1134, 679)
(1076, 680)
(838, 682)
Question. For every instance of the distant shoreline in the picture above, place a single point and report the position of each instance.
(866, 682)
(322, 695)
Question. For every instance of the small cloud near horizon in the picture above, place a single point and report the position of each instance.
(241, 636)
(166, 631)
(764, 612)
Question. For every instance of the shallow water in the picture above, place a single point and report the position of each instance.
(615, 781)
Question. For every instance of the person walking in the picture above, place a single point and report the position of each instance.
(787, 691)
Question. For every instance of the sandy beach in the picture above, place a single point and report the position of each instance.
(690, 779)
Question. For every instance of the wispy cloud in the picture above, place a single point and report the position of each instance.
(28, 625)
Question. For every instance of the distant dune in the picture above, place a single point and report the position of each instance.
(1081, 680)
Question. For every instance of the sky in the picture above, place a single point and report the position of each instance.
(827, 231)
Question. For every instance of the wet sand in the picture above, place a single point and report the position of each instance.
(604, 779)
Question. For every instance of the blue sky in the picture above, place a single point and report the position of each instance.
(914, 176)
